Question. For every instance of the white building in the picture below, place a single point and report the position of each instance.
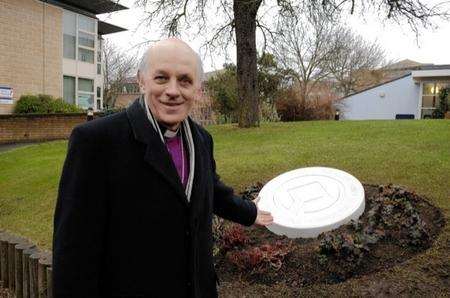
(412, 96)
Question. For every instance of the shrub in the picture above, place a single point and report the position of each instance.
(43, 104)
(233, 236)
(393, 214)
(290, 107)
(260, 258)
(439, 113)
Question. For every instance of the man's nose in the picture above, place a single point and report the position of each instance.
(172, 89)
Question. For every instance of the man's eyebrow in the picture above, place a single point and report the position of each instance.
(160, 71)
(185, 75)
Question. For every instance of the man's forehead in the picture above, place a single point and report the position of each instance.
(173, 58)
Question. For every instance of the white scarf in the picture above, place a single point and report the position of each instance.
(189, 139)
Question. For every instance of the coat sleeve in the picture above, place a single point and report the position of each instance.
(226, 204)
(79, 220)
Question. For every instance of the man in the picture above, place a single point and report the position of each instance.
(138, 190)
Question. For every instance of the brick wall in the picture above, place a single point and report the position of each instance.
(27, 128)
(31, 48)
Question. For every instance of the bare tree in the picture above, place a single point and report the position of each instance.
(237, 21)
(118, 67)
(306, 49)
(353, 56)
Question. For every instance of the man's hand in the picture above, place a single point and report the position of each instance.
(263, 218)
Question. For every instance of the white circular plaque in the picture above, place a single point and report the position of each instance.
(308, 201)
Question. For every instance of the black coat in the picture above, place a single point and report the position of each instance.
(123, 226)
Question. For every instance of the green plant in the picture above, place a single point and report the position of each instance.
(392, 213)
(43, 104)
(443, 103)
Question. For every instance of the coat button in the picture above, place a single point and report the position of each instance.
(188, 233)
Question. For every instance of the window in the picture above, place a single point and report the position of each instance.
(85, 93)
(99, 104)
(69, 89)
(99, 92)
(69, 34)
(86, 24)
(85, 55)
(430, 97)
(99, 69)
(99, 49)
(428, 89)
(428, 101)
(85, 39)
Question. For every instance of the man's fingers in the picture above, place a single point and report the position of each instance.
(264, 218)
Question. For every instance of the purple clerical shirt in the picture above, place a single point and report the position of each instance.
(179, 157)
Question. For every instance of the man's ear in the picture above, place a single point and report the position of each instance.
(199, 91)
(141, 82)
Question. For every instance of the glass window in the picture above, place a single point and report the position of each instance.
(428, 88)
(99, 49)
(85, 39)
(85, 55)
(69, 34)
(69, 89)
(85, 23)
(99, 104)
(99, 69)
(428, 101)
(85, 85)
(99, 92)
(85, 100)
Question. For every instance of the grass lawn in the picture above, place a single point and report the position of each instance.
(412, 153)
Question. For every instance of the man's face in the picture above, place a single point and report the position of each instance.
(171, 83)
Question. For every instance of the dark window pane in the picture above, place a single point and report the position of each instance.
(69, 89)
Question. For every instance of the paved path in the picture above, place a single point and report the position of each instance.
(7, 147)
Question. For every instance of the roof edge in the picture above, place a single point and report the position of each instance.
(375, 86)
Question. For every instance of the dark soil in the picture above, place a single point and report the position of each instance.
(391, 235)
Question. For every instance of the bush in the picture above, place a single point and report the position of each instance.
(439, 113)
(393, 214)
(290, 107)
(262, 258)
(44, 104)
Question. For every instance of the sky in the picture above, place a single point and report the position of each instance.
(398, 41)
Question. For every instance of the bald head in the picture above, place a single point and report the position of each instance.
(173, 46)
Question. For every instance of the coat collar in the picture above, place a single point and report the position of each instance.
(157, 156)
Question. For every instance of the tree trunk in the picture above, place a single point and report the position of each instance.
(245, 27)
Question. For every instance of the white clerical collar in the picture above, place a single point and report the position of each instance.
(171, 134)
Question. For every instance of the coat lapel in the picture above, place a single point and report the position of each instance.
(156, 154)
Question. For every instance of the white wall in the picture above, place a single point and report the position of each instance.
(400, 97)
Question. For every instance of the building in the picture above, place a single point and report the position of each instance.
(413, 95)
(53, 47)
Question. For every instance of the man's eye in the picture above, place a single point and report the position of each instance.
(160, 78)
(186, 80)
